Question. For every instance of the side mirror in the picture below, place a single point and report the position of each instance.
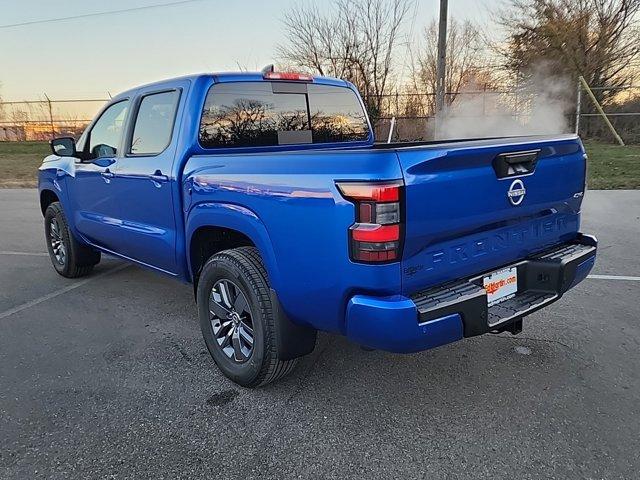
(63, 147)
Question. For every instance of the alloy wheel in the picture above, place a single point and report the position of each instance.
(56, 241)
(231, 320)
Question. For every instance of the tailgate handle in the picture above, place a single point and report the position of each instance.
(513, 164)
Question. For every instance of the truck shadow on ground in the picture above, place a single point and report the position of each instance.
(337, 369)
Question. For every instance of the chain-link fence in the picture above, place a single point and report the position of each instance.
(623, 111)
(481, 112)
(410, 116)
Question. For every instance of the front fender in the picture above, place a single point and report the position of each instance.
(52, 176)
(241, 219)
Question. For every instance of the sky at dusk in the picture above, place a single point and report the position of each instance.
(88, 57)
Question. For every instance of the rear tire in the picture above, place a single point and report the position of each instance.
(69, 257)
(233, 305)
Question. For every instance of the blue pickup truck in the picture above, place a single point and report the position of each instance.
(267, 192)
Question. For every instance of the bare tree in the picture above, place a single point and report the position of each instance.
(598, 39)
(466, 62)
(354, 40)
(316, 42)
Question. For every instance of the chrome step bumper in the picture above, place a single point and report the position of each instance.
(542, 279)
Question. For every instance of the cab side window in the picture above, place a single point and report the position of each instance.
(154, 123)
(106, 134)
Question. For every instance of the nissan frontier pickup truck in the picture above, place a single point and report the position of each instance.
(267, 193)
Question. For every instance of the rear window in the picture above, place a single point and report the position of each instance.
(253, 114)
(154, 123)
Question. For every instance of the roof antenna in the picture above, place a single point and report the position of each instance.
(268, 69)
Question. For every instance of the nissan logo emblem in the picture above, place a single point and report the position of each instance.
(516, 192)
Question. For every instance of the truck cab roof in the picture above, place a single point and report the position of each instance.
(224, 77)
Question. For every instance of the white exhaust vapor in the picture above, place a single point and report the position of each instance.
(539, 107)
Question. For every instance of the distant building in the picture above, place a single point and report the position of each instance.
(12, 133)
(39, 131)
(36, 131)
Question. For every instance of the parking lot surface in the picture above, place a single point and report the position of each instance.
(108, 377)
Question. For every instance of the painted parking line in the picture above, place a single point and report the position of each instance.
(59, 292)
(28, 254)
(615, 277)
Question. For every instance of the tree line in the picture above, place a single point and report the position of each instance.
(365, 42)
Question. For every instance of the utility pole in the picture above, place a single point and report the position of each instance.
(578, 106)
(442, 59)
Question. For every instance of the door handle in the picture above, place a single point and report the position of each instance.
(158, 177)
(107, 175)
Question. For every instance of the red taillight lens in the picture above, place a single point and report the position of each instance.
(382, 192)
(296, 77)
(373, 232)
(375, 237)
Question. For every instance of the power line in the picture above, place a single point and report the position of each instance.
(110, 12)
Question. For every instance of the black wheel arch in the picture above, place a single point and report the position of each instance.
(209, 240)
(47, 197)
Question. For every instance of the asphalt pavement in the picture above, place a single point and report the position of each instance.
(108, 377)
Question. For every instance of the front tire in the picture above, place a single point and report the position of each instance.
(70, 258)
(237, 318)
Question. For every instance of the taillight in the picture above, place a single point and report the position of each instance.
(376, 235)
(292, 76)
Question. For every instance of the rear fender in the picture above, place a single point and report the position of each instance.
(292, 340)
(241, 219)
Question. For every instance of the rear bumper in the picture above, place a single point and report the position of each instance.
(450, 312)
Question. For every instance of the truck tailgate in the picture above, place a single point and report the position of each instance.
(461, 218)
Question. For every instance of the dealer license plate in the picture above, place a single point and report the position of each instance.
(501, 285)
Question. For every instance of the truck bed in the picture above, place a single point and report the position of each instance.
(458, 220)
